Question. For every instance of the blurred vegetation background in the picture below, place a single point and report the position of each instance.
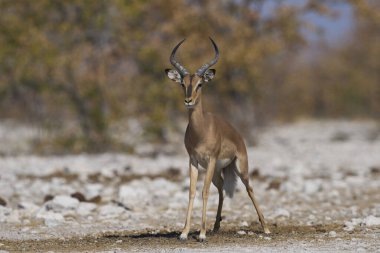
(85, 70)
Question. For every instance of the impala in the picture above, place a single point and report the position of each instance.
(212, 143)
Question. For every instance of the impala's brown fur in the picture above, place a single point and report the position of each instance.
(211, 143)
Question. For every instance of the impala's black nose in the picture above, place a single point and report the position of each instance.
(188, 100)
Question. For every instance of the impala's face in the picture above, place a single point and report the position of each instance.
(191, 84)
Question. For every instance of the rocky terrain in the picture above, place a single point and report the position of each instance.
(318, 184)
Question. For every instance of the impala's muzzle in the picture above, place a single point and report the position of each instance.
(189, 102)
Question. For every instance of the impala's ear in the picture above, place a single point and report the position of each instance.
(209, 75)
(173, 75)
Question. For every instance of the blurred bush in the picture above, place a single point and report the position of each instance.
(86, 65)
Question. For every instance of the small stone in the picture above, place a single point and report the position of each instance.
(51, 219)
(30, 207)
(312, 186)
(93, 190)
(85, 208)
(129, 192)
(255, 173)
(79, 196)
(2, 202)
(332, 234)
(241, 232)
(119, 241)
(25, 229)
(371, 221)
(348, 227)
(281, 212)
(244, 224)
(267, 238)
(107, 173)
(110, 211)
(62, 202)
(375, 170)
(274, 184)
(8, 215)
(48, 198)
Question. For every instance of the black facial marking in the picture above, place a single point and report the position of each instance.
(189, 90)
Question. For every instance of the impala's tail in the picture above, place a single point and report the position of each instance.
(229, 185)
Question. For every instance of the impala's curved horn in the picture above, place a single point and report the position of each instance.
(178, 66)
(206, 66)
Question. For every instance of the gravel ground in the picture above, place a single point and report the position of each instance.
(317, 184)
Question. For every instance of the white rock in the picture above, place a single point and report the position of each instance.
(51, 219)
(63, 202)
(85, 208)
(163, 187)
(147, 190)
(312, 186)
(9, 215)
(130, 192)
(368, 221)
(25, 229)
(92, 190)
(371, 221)
(14, 217)
(281, 212)
(348, 226)
(28, 206)
(241, 232)
(4, 212)
(332, 234)
(244, 224)
(178, 200)
(293, 185)
(107, 172)
(110, 211)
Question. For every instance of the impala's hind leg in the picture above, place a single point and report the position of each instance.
(242, 171)
(218, 182)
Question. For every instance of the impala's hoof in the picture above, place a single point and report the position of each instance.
(266, 231)
(183, 237)
(202, 238)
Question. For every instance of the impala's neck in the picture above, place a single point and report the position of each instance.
(196, 116)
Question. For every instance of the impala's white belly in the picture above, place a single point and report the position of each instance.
(222, 163)
(203, 162)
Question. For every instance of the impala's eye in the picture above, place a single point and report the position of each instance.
(199, 86)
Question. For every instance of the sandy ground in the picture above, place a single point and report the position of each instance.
(317, 184)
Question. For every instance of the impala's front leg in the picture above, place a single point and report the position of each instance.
(193, 183)
(205, 192)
